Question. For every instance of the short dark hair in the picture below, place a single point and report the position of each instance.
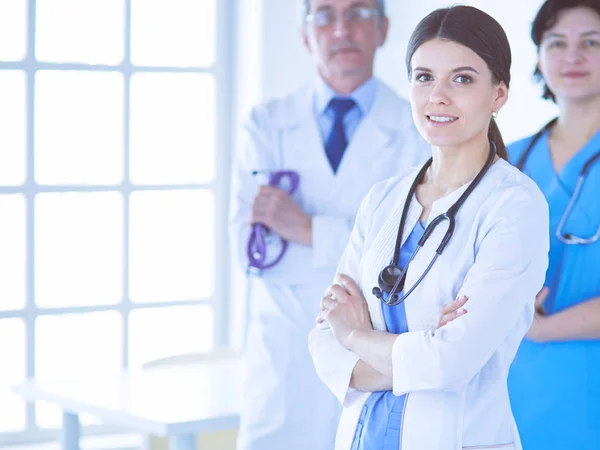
(545, 19)
(477, 31)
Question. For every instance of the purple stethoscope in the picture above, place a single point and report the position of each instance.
(257, 248)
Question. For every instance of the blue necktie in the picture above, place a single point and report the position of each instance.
(337, 142)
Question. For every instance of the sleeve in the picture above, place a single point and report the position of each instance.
(334, 363)
(508, 272)
(255, 154)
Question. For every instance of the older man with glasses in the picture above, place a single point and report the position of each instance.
(341, 134)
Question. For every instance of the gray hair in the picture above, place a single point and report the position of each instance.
(305, 9)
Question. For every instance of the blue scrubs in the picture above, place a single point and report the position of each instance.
(555, 387)
(379, 424)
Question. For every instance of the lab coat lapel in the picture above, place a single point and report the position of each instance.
(302, 148)
(370, 145)
(305, 149)
(381, 251)
(368, 142)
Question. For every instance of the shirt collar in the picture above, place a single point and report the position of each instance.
(364, 95)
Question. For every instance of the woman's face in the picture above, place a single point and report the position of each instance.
(452, 93)
(569, 55)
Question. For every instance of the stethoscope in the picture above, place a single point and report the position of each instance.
(391, 278)
(257, 248)
(566, 238)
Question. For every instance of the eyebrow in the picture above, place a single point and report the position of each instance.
(554, 34)
(458, 69)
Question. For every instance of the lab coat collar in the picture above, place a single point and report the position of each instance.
(363, 96)
(301, 107)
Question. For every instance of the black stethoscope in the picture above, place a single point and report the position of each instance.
(391, 278)
(566, 238)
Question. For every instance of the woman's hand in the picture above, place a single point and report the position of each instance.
(345, 310)
(452, 310)
(537, 332)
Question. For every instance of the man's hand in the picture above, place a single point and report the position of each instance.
(281, 214)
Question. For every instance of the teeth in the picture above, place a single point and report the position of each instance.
(441, 119)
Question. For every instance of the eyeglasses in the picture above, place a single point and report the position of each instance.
(354, 15)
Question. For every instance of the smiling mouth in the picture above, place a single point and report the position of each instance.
(574, 74)
(441, 119)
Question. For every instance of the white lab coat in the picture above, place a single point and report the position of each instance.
(286, 405)
(455, 377)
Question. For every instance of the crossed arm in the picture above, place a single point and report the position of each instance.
(345, 308)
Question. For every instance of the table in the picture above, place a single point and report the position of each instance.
(176, 401)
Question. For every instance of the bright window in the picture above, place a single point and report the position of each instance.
(112, 213)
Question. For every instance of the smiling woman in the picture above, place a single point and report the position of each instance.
(406, 379)
(557, 367)
(455, 80)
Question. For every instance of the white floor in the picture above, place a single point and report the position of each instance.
(111, 442)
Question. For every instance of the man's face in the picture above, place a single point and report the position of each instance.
(343, 36)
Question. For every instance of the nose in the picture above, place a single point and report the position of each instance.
(341, 27)
(438, 95)
(574, 54)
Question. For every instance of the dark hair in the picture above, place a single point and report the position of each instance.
(545, 19)
(476, 30)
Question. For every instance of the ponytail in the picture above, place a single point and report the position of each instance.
(495, 136)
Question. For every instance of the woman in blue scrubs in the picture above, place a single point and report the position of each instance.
(554, 382)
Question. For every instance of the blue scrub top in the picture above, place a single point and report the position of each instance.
(555, 387)
(379, 424)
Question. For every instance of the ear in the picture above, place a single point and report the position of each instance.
(305, 39)
(501, 96)
(382, 31)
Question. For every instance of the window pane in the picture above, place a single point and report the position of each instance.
(78, 249)
(13, 26)
(78, 127)
(12, 252)
(171, 245)
(12, 362)
(173, 32)
(159, 332)
(12, 118)
(75, 346)
(172, 128)
(90, 31)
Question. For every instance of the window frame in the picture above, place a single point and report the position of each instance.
(220, 186)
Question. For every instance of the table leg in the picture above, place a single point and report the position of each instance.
(70, 431)
(182, 442)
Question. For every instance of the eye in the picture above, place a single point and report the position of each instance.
(423, 77)
(323, 18)
(590, 43)
(464, 79)
(557, 44)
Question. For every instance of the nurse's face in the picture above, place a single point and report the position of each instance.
(452, 93)
(569, 55)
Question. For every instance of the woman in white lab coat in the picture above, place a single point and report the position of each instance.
(404, 384)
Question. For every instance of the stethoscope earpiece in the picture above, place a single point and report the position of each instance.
(377, 292)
